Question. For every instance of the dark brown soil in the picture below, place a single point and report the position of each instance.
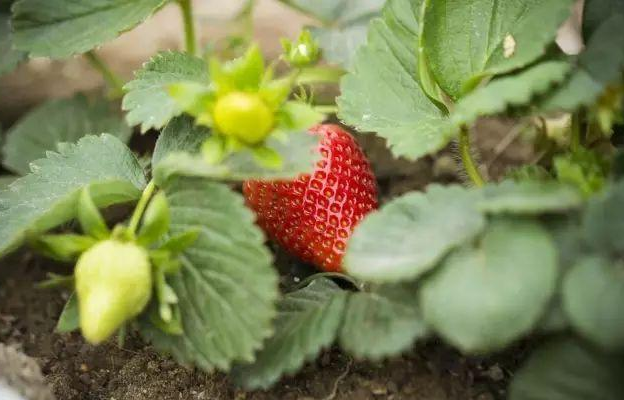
(77, 371)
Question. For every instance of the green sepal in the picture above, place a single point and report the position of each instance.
(156, 220)
(192, 97)
(303, 52)
(178, 243)
(214, 149)
(275, 92)
(64, 247)
(298, 116)
(268, 157)
(174, 327)
(245, 73)
(55, 281)
(90, 218)
(165, 260)
(69, 320)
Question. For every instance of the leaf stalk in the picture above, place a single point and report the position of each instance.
(112, 79)
(471, 168)
(189, 26)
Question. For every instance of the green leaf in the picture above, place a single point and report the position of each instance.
(6, 180)
(336, 11)
(180, 135)
(65, 247)
(299, 116)
(156, 220)
(466, 41)
(298, 154)
(529, 197)
(69, 320)
(9, 57)
(390, 312)
(585, 169)
(308, 321)
(382, 94)
(515, 90)
(603, 221)
(411, 234)
(61, 28)
(147, 100)
(593, 294)
(485, 296)
(598, 11)
(226, 287)
(91, 221)
(59, 121)
(598, 66)
(569, 370)
(48, 196)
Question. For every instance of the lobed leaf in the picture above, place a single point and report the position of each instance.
(568, 370)
(515, 90)
(308, 321)
(61, 28)
(486, 295)
(226, 287)
(603, 221)
(59, 121)
(466, 41)
(147, 101)
(382, 93)
(47, 197)
(383, 322)
(593, 292)
(411, 234)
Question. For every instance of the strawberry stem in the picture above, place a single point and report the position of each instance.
(111, 78)
(189, 26)
(141, 206)
(471, 168)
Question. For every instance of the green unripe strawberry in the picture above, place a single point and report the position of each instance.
(113, 284)
(244, 116)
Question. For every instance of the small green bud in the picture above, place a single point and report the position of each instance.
(302, 53)
(244, 116)
(113, 284)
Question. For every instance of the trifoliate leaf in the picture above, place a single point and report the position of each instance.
(226, 287)
(593, 294)
(529, 197)
(466, 41)
(603, 222)
(515, 90)
(61, 28)
(569, 370)
(598, 66)
(411, 234)
(48, 196)
(485, 296)
(59, 121)
(147, 100)
(382, 94)
(308, 321)
(9, 57)
(390, 312)
(69, 320)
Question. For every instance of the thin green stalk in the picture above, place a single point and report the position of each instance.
(470, 166)
(141, 206)
(575, 139)
(111, 78)
(320, 74)
(189, 26)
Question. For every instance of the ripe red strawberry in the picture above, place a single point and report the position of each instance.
(313, 216)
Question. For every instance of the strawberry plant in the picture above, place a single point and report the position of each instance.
(535, 255)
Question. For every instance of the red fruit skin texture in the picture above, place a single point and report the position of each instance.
(313, 216)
